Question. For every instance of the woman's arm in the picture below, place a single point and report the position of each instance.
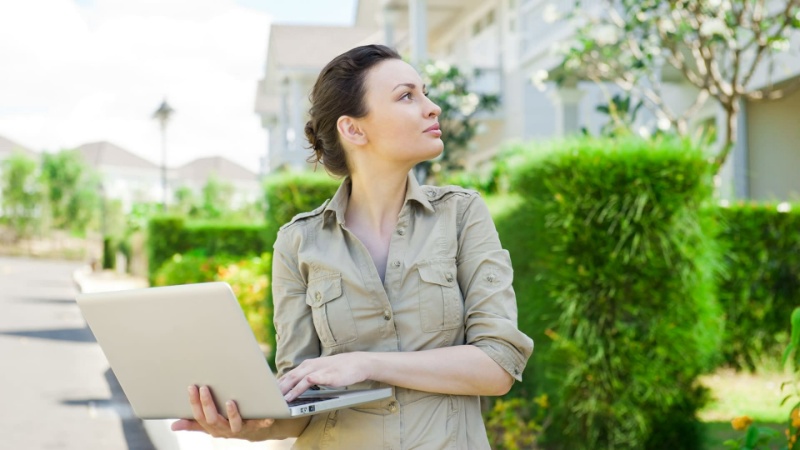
(459, 370)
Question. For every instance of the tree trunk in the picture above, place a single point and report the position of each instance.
(732, 116)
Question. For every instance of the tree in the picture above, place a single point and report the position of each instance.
(70, 190)
(216, 198)
(449, 88)
(717, 46)
(21, 196)
(185, 202)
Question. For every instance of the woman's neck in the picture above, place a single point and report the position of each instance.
(376, 199)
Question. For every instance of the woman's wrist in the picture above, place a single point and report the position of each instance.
(370, 365)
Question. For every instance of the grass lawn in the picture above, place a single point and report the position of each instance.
(757, 396)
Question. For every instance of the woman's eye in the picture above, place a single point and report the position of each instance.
(405, 96)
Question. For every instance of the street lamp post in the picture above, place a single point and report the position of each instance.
(163, 114)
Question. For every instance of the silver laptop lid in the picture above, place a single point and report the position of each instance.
(159, 341)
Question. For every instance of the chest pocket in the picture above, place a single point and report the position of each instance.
(440, 303)
(333, 318)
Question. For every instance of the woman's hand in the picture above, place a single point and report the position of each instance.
(207, 419)
(343, 369)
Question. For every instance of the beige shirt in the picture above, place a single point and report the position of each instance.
(447, 282)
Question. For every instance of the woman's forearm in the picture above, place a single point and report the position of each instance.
(459, 370)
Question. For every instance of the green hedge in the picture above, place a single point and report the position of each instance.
(614, 261)
(291, 193)
(170, 235)
(761, 283)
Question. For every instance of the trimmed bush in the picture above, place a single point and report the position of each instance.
(170, 235)
(291, 193)
(614, 259)
(761, 284)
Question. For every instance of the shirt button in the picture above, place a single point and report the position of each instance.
(387, 315)
(396, 263)
(393, 407)
(490, 278)
(401, 231)
(449, 277)
(431, 193)
(317, 296)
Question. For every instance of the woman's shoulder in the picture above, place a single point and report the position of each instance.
(305, 216)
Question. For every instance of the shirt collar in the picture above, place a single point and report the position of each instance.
(338, 204)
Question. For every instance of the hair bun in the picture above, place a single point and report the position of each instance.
(316, 144)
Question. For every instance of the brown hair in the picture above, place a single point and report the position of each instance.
(339, 91)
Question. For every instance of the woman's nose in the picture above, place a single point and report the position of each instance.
(434, 110)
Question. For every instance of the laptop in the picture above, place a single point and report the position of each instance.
(161, 340)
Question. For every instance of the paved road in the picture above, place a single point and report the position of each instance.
(56, 390)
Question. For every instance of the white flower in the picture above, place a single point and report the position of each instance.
(714, 3)
(538, 79)
(784, 207)
(713, 26)
(642, 16)
(446, 86)
(667, 25)
(550, 13)
(724, 203)
(442, 66)
(780, 45)
(664, 124)
(644, 132)
(605, 34)
(468, 104)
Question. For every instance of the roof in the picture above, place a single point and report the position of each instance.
(104, 153)
(201, 170)
(7, 147)
(311, 47)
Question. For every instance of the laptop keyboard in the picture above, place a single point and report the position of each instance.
(307, 400)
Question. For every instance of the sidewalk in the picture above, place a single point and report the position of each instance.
(162, 437)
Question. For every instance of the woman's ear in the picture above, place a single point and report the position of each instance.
(350, 130)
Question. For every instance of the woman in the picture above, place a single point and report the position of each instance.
(389, 283)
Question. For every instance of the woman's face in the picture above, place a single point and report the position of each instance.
(402, 124)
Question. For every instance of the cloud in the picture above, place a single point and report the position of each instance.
(76, 74)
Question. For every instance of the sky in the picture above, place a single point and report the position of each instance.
(79, 71)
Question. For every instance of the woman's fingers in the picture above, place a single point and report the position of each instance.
(197, 408)
(208, 419)
(213, 416)
(234, 417)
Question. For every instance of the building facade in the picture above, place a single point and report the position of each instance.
(509, 43)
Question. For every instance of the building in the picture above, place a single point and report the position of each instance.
(124, 175)
(195, 175)
(9, 147)
(133, 179)
(509, 41)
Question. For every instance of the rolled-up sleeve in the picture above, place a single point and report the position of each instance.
(296, 339)
(485, 276)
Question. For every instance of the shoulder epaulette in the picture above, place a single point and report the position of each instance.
(438, 192)
(306, 215)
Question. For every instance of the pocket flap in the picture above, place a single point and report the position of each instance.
(323, 290)
(437, 274)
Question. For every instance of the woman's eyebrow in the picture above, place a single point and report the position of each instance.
(411, 86)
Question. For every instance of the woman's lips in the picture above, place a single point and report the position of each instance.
(434, 129)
